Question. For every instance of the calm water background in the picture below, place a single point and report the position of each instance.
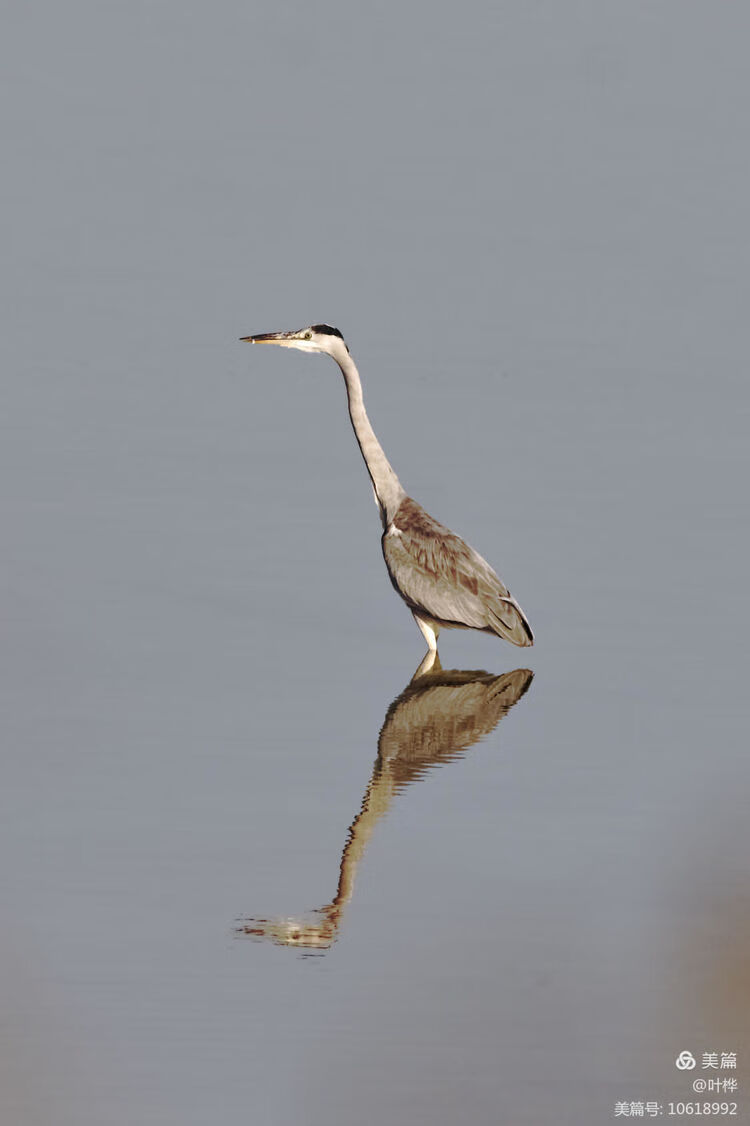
(530, 222)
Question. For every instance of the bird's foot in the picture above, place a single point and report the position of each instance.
(430, 663)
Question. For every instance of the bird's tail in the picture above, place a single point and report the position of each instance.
(508, 620)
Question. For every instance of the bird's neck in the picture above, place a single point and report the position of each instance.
(388, 489)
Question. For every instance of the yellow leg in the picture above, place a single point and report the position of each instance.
(428, 630)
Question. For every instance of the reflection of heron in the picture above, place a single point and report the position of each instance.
(437, 717)
(442, 580)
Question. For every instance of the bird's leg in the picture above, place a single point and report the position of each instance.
(429, 663)
(428, 631)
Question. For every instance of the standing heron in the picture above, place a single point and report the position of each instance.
(445, 583)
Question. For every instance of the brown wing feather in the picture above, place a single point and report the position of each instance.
(438, 574)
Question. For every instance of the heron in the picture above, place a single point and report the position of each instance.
(444, 582)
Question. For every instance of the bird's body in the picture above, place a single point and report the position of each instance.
(445, 583)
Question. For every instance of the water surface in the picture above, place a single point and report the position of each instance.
(528, 223)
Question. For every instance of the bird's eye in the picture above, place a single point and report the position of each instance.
(308, 336)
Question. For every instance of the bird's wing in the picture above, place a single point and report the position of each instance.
(437, 573)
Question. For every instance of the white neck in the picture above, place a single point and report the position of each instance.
(388, 489)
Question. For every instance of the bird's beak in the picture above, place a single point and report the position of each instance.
(284, 338)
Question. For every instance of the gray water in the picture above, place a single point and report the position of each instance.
(243, 875)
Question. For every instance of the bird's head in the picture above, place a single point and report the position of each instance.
(315, 338)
